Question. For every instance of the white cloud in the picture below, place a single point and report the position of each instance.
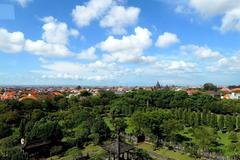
(124, 58)
(54, 39)
(119, 17)
(128, 48)
(84, 14)
(63, 67)
(169, 68)
(23, 3)
(88, 54)
(53, 43)
(43, 60)
(181, 65)
(231, 21)
(11, 42)
(76, 77)
(226, 64)
(214, 7)
(183, 9)
(97, 71)
(202, 52)
(166, 40)
(42, 48)
(228, 9)
(56, 32)
(176, 66)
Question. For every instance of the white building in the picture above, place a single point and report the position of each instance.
(234, 96)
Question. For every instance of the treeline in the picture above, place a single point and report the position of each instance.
(222, 123)
(166, 99)
(192, 132)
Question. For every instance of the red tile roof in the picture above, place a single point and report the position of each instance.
(8, 95)
(225, 89)
(191, 92)
(236, 89)
(28, 97)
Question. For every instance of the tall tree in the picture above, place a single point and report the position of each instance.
(209, 87)
(238, 122)
(221, 122)
(214, 122)
(229, 122)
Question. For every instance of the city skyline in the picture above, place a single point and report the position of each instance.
(119, 42)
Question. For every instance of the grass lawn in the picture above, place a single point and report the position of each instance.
(165, 152)
(174, 155)
(74, 152)
(69, 154)
(91, 149)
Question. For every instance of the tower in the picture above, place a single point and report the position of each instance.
(158, 85)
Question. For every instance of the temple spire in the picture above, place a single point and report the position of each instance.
(158, 85)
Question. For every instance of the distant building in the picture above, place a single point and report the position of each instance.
(231, 96)
(225, 89)
(235, 89)
(191, 92)
(235, 96)
(29, 96)
(158, 86)
(8, 95)
(57, 93)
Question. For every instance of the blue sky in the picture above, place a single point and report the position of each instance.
(119, 42)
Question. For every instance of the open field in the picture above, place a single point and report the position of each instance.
(165, 152)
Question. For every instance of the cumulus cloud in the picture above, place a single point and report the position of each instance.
(63, 67)
(226, 64)
(84, 14)
(54, 40)
(231, 21)
(214, 7)
(166, 40)
(128, 48)
(228, 9)
(11, 42)
(42, 48)
(119, 17)
(169, 68)
(23, 3)
(89, 54)
(96, 71)
(53, 43)
(201, 52)
(57, 32)
(176, 66)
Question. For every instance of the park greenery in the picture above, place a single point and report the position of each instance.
(199, 125)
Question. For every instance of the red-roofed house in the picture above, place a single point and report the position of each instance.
(8, 95)
(235, 89)
(191, 92)
(29, 96)
(57, 93)
(225, 89)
